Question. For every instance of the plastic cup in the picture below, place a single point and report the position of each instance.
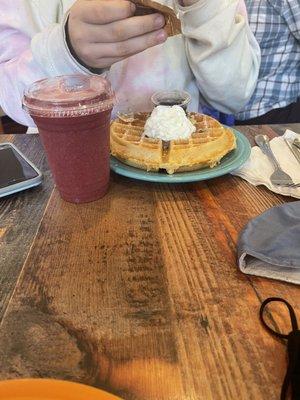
(171, 98)
(72, 114)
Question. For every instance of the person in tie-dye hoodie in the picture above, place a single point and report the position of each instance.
(216, 58)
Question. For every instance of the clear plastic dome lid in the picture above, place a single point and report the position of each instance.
(68, 96)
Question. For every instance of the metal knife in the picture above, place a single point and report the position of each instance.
(293, 149)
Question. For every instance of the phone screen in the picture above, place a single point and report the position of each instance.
(13, 167)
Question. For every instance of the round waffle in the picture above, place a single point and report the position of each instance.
(205, 148)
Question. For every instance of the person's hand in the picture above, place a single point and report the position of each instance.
(102, 32)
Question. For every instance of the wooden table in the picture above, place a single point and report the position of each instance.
(139, 293)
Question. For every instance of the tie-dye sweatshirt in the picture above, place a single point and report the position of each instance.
(216, 59)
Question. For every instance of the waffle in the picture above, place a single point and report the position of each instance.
(172, 26)
(207, 145)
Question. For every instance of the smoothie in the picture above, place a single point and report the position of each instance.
(72, 114)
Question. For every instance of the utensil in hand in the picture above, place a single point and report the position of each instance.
(278, 177)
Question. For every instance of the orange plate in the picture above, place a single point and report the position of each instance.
(50, 389)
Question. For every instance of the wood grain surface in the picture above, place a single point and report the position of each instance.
(139, 293)
(20, 216)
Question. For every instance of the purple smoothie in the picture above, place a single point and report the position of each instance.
(72, 114)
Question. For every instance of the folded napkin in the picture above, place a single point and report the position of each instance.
(269, 245)
(258, 169)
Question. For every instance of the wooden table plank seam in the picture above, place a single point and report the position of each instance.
(139, 293)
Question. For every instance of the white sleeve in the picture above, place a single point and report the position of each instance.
(31, 48)
(51, 52)
(222, 52)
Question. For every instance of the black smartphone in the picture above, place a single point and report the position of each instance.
(16, 171)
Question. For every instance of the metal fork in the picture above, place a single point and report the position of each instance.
(278, 177)
(296, 143)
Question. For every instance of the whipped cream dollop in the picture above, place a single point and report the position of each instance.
(168, 123)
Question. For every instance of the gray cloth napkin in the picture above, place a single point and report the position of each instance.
(269, 245)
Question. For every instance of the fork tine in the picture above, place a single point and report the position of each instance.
(278, 177)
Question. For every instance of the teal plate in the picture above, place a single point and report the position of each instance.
(233, 160)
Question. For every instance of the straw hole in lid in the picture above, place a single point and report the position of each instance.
(75, 83)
